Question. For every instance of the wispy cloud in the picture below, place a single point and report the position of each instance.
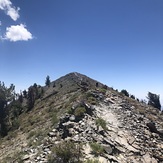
(17, 33)
(9, 9)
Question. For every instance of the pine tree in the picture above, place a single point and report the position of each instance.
(7, 95)
(47, 82)
(125, 92)
(31, 98)
(154, 100)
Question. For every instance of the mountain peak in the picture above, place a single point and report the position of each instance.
(84, 118)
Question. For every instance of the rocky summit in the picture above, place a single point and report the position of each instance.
(78, 119)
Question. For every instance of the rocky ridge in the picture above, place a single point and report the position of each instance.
(133, 131)
(128, 138)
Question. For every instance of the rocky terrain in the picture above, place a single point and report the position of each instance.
(88, 114)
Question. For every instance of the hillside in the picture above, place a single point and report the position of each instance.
(84, 120)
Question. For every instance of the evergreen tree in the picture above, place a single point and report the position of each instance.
(20, 98)
(25, 94)
(125, 92)
(154, 100)
(7, 95)
(47, 82)
(132, 96)
(31, 98)
(33, 95)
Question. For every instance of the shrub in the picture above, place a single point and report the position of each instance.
(97, 149)
(66, 152)
(79, 112)
(103, 91)
(35, 133)
(154, 100)
(69, 110)
(101, 122)
(125, 92)
(92, 161)
(92, 100)
(105, 87)
(31, 134)
(54, 119)
(132, 96)
(15, 124)
(18, 156)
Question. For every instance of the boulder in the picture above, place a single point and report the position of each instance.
(51, 134)
(25, 157)
(100, 130)
(72, 118)
(108, 149)
(152, 127)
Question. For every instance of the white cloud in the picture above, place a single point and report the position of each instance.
(10, 10)
(17, 33)
(14, 32)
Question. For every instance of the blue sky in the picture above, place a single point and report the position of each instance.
(118, 42)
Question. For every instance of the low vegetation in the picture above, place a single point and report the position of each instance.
(103, 90)
(101, 122)
(92, 100)
(123, 91)
(97, 149)
(92, 161)
(66, 152)
(79, 111)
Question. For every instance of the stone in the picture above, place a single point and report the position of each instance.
(51, 134)
(152, 127)
(131, 140)
(132, 107)
(32, 150)
(148, 158)
(38, 158)
(100, 130)
(69, 124)
(82, 124)
(92, 108)
(72, 118)
(160, 132)
(54, 130)
(76, 138)
(103, 160)
(46, 149)
(108, 149)
(25, 157)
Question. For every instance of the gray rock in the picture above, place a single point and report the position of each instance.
(38, 158)
(152, 127)
(100, 130)
(46, 149)
(26, 157)
(72, 118)
(107, 149)
(132, 107)
(51, 134)
(69, 124)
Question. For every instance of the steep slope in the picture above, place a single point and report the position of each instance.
(106, 125)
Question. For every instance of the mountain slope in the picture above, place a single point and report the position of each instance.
(107, 125)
